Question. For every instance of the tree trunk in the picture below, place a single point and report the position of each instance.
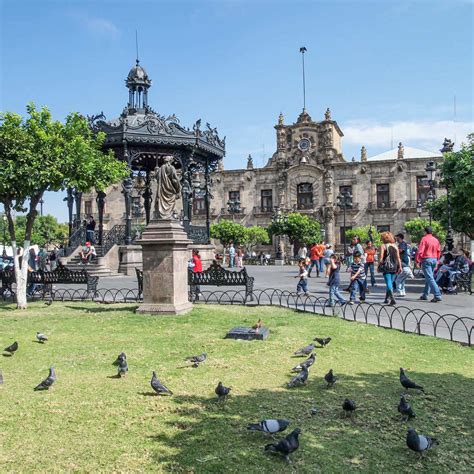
(21, 273)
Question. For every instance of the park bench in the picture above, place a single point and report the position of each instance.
(61, 275)
(463, 281)
(215, 275)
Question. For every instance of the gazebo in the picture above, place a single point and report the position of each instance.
(141, 137)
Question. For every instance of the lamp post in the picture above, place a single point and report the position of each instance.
(419, 207)
(448, 146)
(431, 173)
(233, 206)
(278, 218)
(344, 201)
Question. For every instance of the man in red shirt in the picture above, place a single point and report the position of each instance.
(427, 256)
(315, 255)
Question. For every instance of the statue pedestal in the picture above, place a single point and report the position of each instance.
(165, 268)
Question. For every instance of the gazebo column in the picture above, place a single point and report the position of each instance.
(127, 186)
(100, 199)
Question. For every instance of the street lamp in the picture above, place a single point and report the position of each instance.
(344, 201)
(278, 218)
(448, 146)
(233, 206)
(419, 207)
(431, 173)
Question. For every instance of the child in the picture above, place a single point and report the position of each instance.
(334, 281)
(357, 278)
(303, 276)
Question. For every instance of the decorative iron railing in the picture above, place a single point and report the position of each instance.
(114, 236)
(198, 234)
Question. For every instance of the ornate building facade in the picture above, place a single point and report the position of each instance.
(308, 171)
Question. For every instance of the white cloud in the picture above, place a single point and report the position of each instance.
(101, 26)
(427, 135)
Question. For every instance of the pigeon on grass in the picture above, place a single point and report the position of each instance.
(305, 351)
(306, 364)
(12, 348)
(48, 381)
(269, 426)
(349, 407)
(257, 326)
(285, 446)
(122, 368)
(299, 379)
(41, 337)
(322, 342)
(120, 359)
(420, 443)
(407, 383)
(405, 409)
(330, 378)
(197, 359)
(158, 387)
(222, 391)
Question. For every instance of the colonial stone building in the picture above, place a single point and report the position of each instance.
(308, 171)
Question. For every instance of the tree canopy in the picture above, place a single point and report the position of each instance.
(46, 230)
(363, 233)
(457, 171)
(228, 231)
(416, 229)
(297, 227)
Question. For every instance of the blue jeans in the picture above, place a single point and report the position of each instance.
(401, 278)
(302, 286)
(90, 236)
(370, 266)
(334, 292)
(231, 260)
(321, 265)
(314, 263)
(360, 284)
(427, 266)
(389, 279)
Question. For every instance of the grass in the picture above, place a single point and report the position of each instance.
(89, 421)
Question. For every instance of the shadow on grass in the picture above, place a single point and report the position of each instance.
(99, 309)
(212, 437)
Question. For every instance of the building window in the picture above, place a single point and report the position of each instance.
(383, 196)
(266, 200)
(305, 196)
(422, 188)
(345, 190)
(136, 206)
(383, 228)
(199, 203)
(88, 207)
(342, 233)
(234, 195)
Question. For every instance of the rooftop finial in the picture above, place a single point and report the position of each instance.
(136, 45)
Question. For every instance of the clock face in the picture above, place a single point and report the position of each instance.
(304, 144)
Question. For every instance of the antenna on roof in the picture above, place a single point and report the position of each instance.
(136, 44)
(302, 51)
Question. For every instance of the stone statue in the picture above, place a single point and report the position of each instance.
(168, 189)
(327, 114)
(280, 119)
(250, 163)
(401, 151)
(363, 154)
(448, 146)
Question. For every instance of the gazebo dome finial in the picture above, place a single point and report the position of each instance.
(138, 84)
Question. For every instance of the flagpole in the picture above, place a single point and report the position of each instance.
(302, 51)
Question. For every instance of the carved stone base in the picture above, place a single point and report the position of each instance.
(130, 257)
(165, 263)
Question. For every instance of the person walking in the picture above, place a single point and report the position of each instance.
(302, 286)
(327, 255)
(429, 252)
(231, 255)
(334, 281)
(390, 264)
(322, 248)
(240, 255)
(349, 254)
(370, 252)
(302, 252)
(406, 272)
(32, 267)
(358, 277)
(315, 256)
(196, 266)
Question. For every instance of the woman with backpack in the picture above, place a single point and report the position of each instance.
(390, 264)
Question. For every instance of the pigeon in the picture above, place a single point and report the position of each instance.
(269, 426)
(304, 351)
(48, 381)
(299, 379)
(407, 383)
(286, 446)
(258, 325)
(222, 391)
(420, 443)
(307, 363)
(405, 409)
(41, 337)
(330, 378)
(12, 349)
(349, 406)
(120, 359)
(322, 342)
(197, 359)
(157, 386)
(122, 368)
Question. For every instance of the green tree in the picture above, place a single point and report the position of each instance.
(228, 231)
(457, 171)
(39, 154)
(363, 233)
(415, 228)
(255, 235)
(46, 230)
(298, 228)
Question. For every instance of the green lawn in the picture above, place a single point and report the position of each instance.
(89, 421)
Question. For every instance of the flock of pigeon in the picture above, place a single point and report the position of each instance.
(288, 445)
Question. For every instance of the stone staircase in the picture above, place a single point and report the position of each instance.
(95, 268)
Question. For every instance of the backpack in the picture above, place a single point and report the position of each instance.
(388, 265)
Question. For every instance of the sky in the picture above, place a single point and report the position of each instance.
(390, 71)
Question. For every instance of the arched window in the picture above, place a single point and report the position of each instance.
(305, 196)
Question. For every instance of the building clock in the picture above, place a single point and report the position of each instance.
(304, 144)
